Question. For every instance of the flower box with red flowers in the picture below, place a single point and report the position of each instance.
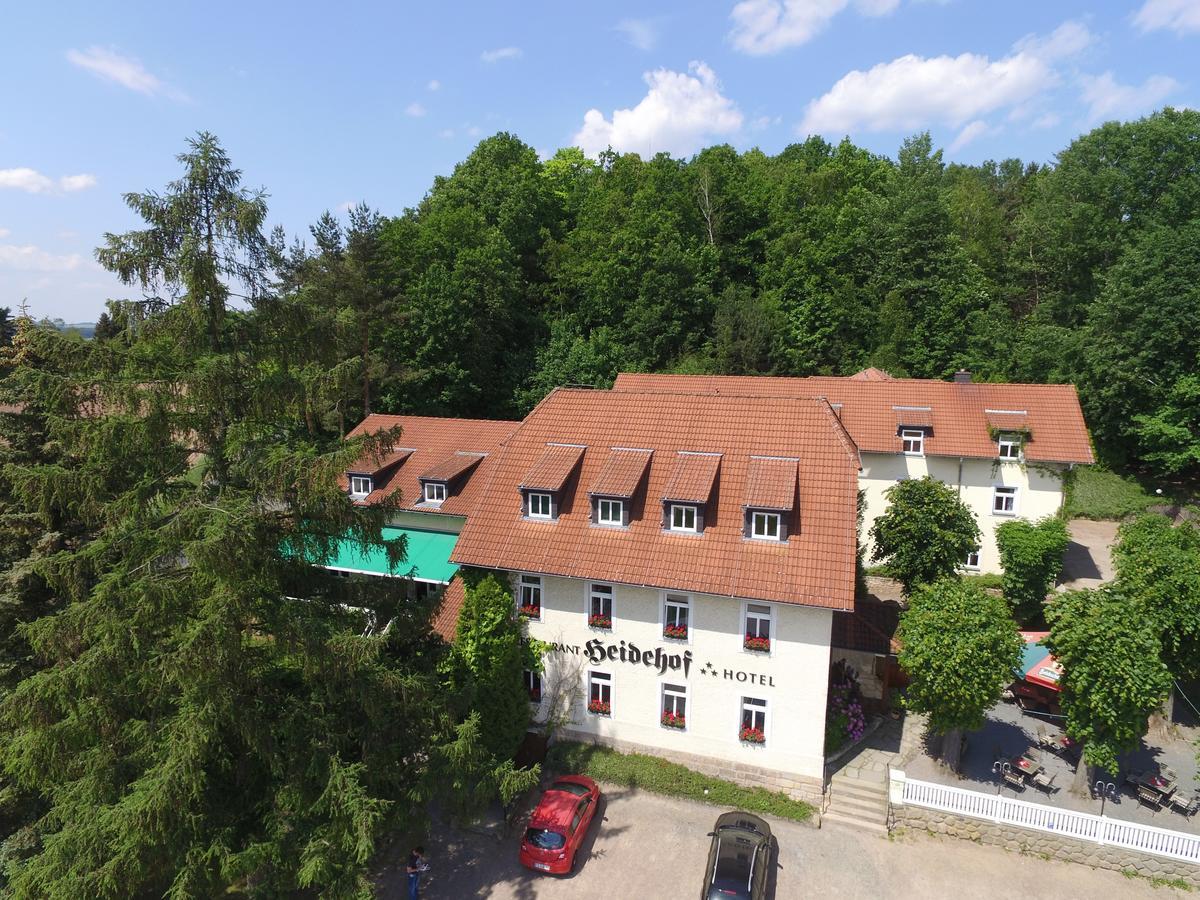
(530, 612)
(600, 622)
(678, 632)
(757, 644)
(673, 720)
(752, 736)
(599, 708)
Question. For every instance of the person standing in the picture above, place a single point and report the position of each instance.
(416, 865)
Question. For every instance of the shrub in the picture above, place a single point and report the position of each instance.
(844, 717)
(1096, 493)
(1031, 556)
(661, 777)
(925, 533)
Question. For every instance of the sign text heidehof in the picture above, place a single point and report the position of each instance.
(628, 652)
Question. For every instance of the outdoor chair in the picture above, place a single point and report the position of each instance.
(1015, 780)
(1044, 782)
(1149, 797)
(1169, 774)
(1188, 806)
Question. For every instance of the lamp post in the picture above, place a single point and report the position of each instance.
(1001, 768)
(1105, 789)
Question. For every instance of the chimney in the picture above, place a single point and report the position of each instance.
(962, 376)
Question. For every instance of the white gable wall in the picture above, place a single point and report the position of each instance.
(1039, 491)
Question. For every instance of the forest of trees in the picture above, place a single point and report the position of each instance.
(515, 275)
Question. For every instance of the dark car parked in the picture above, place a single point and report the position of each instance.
(739, 859)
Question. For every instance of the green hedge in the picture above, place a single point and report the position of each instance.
(653, 774)
(1031, 556)
(1096, 493)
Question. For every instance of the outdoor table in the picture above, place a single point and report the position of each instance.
(1161, 785)
(1057, 744)
(1024, 765)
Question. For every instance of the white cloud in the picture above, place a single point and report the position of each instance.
(34, 182)
(1181, 16)
(970, 132)
(1047, 120)
(29, 258)
(768, 26)
(5, 232)
(1106, 98)
(678, 114)
(446, 133)
(914, 92)
(641, 33)
(473, 131)
(416, 110)
(434, 85)
(109, 65)
(501, 53)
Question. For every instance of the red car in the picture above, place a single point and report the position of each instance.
(559, 824)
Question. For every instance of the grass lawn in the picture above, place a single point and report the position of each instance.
(1096, 493)
(653, 774)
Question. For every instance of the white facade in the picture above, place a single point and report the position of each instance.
(1038, 491)
(718, 676)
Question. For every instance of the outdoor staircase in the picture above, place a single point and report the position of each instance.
(858, 799)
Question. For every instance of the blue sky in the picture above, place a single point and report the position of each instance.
(326, 104)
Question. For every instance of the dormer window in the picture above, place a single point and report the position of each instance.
(540, 506)
(360, 486)
(610, 512)
(1009, 446)
(912, 441)
(683, 518)
(435, 492)
(765, 526)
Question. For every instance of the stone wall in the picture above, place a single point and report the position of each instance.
(1041, 843)
(794, 785)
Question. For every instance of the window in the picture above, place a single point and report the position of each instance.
(529, 596)
(754, 721)
(435, 491)
(600, 606)
(913, 441)
(972, 560)
(683, 518)
(1010, 446)
(764, 526)
(539, 506)
(676, 609)
(610, 512)
(360, 486)
(599, 693)
(533, 684)
(674, 706)
(1004, 501)
(758, 628)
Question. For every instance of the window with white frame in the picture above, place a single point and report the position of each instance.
(758, 628)
(600, 693)
(600, 605)
(676, 616)
(674, 706)
(529, 596)
(912, 441)
(1004, 501)
(360, 486)
(764, 526)
(754, 721)
(435, 491)
(610, 512)
(972, 560)
(539, 506)
(683, 518)
(1009, 446)
(533, 684)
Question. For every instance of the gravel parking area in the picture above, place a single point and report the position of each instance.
(645, 845)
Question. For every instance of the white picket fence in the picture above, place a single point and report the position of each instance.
(1040, 817)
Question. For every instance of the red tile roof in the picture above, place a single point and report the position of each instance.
(693, 478)
(622, 473)
(872, 374)
(445, 617)
(426, 443)
(771, 483)
(452, 466)
(1057, 432)
(815, 566)
(553, 467)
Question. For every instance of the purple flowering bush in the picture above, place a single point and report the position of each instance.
(845, 721)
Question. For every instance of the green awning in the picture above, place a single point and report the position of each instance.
(428, 557)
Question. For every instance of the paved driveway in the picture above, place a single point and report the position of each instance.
(1088, 560)
(654, 847)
